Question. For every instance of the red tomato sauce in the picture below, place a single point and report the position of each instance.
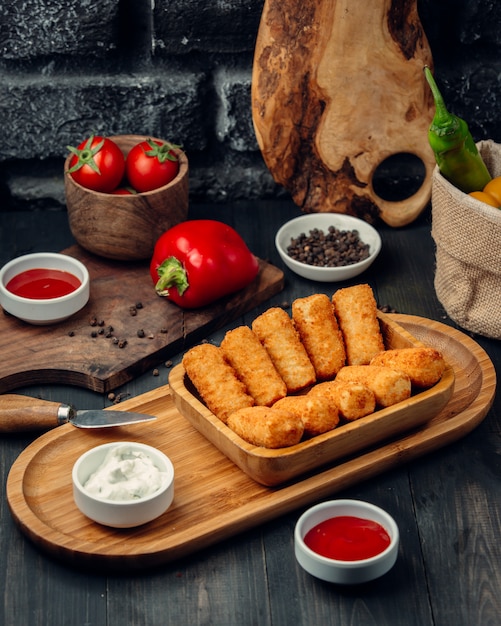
(347, 538)
(43, 284)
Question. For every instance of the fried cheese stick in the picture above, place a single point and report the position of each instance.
(424, 366)
(318, 329)
(267, 427)
(318, 413)
(276, 332)
(253, 365)
(389, 386)
(215, 380)
(356, 311)
(353, 400)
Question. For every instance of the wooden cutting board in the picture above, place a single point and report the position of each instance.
(67, 353)
(213, 498)
(337, 88)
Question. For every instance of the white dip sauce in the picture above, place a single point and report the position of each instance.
(125, 474)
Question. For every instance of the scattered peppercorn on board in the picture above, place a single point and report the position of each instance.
(214, 499)
(146, 328)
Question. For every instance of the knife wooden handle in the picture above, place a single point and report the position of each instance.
(24, 413)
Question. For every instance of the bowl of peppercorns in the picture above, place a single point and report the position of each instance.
(328, 247)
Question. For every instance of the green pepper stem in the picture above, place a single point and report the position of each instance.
(85, 156)
(442, 114)
(163, 152)
(171, 273)
(455, 150)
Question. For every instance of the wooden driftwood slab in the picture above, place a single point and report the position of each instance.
(337, 88)
(67, 353)
(214, 499)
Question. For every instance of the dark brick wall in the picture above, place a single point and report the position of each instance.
(182, 70)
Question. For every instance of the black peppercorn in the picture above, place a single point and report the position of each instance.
(336, 248)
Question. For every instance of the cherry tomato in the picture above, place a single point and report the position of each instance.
(151, 164)
(123, 191)
(98, 164)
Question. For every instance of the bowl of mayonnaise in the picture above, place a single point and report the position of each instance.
(123, 484)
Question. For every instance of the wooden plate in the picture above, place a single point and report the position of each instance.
(213, 498)
(274, 467)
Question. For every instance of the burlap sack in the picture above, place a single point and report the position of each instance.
(467, 235)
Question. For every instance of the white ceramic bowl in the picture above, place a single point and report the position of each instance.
(50, 310)
(345, 572)
(124, 513)
(303, 224)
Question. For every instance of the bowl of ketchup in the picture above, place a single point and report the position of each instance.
(346, 541)
(44, 287)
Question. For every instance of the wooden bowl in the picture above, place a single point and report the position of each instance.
(272, 467)
(125, 227)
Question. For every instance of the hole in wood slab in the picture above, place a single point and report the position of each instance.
(398, 177)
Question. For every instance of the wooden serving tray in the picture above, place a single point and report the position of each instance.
(274, 467)
(214, 499)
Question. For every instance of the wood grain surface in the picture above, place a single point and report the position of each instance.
(68, 353)
(337, 88)
(214, 499)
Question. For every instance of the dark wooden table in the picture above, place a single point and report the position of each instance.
(447, 504)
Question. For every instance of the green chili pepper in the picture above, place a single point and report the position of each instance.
(455, 151)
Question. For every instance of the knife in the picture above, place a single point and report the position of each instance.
(23, 413)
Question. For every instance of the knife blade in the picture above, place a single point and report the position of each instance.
(23, 413)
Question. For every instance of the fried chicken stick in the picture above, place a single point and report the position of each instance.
(318, 329)
(356, 312)
(267, 427)
(424, 366)
(389, 386)
(215, 380)
(279, 337)
(253, 365)
(353, 400)
(319, 414)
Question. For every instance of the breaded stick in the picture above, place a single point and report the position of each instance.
(318, 329)
(318, 413)
(215, 380)
(424, 366)
(356, 312)
(353, 400)
(276, 332)
(389, 386)
(253, 365)
(267, 427)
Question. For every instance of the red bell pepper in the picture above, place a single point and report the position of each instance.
(199, 261)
